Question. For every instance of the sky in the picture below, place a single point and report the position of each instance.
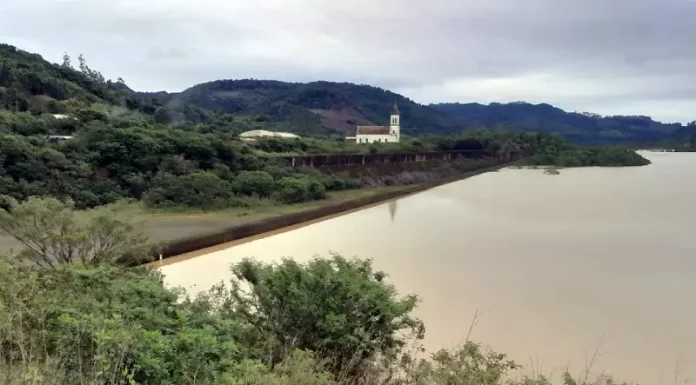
(632, 57)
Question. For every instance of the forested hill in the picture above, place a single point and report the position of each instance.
(684, 139)
(317, 106)
(28, 83)
(579, 127)
(339, 107)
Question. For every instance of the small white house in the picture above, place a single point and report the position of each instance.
(379, 134)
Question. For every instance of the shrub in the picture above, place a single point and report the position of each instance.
(110, 326)
(340, 308)
(202, 189)
(297, 189)
(258, 183)
(335, 183)
(55, 234)
(278, 172)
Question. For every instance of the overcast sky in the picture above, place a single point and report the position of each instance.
(603, 56)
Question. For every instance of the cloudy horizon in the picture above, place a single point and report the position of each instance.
(611, 57)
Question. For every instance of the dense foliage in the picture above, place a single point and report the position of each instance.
(683, 139)
(29, 83)
(540, 148)
(114, 158)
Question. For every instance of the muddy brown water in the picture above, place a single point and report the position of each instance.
(556, 265)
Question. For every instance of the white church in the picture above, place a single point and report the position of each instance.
(379, 134)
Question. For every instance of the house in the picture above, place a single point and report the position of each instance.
(379, 134)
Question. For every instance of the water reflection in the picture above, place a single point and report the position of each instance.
(560, 261)
(392, 209)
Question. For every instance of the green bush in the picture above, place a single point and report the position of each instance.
(299, 188)
(53, 233)
(335, 183)
(258, 183)
(278, 172)
(294, 305)
(110, 325)
(202, 189)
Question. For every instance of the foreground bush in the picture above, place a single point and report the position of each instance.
(53, 233)
(109, 325)
(337, 307)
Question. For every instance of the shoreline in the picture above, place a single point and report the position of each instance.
(185, 248)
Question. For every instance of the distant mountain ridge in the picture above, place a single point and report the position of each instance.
(30, 83)
(583, 127)
(338, 107)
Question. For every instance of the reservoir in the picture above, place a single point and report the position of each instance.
(556, 266)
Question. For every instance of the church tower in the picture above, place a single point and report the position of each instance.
(395, 128)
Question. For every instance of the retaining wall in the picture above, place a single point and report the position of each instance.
(329, 160)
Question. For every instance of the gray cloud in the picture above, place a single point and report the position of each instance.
(608, 56)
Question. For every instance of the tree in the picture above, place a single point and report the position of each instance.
(339, 308)
(464, 366)
(83, 64)
(66, 61)
(162, 116)
(53, 233)
(93, 75)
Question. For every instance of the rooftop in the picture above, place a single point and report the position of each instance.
(373, 130)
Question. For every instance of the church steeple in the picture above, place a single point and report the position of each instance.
(395, 123)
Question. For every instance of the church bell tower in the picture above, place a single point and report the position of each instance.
(395, 124)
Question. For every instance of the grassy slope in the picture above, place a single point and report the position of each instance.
(167, 225)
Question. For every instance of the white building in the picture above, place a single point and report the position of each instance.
(379, 134)
(256, 134)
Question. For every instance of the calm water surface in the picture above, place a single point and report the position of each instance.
(555, 262)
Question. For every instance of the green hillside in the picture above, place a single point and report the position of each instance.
(312, 107)
(579, 127)
(326, 107)
(29, 83)
(684, 139)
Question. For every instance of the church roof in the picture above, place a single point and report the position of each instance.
(395, 110)
(373, 130)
